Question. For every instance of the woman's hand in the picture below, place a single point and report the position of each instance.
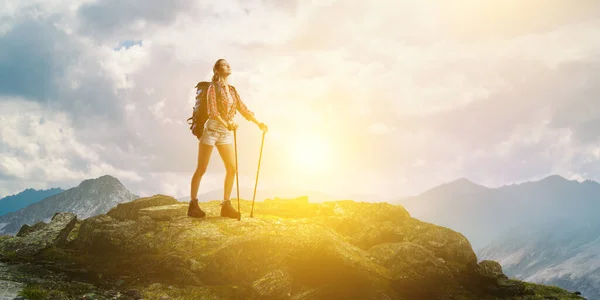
(232, 126)
(263, 127)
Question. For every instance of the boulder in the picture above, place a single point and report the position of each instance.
(415, 271)
(371, 212)
(32, 241)
(165, 212)
(445, 243)
(490, 269)
(10, 289)
(103, 234)
(130, 210)
(363, 232)
(311, 256)
(26, 229)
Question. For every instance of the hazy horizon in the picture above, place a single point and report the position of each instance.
(298, 191)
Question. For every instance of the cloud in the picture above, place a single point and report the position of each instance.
(579, 108)
(46, 65)
(30, 66)
(110, 19)
(472, 20)
(41, 146)
(487, 90)
(379, 128)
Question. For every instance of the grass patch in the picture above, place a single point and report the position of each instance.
(34, 292)
(10, 255)
(56, 290)
(545, 291)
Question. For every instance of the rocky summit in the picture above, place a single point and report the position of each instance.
(291, 249)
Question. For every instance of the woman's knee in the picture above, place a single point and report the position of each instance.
(200, 171)
(230, 169)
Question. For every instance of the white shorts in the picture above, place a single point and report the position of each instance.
(215, 133)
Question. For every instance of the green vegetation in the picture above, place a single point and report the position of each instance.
(34, 292)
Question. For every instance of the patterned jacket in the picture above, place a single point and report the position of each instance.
(220, 105)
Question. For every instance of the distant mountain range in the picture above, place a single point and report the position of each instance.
(482, 213)
(27, 197)
(91, 197)
(546, 231)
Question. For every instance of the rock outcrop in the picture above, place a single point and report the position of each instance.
(32, 240)
(130, 210)
(291, 249)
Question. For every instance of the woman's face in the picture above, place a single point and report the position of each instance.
(223, 68)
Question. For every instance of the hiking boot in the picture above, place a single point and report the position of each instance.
(194, 210)
(228, 211)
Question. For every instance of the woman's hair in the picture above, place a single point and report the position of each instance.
(215, 77)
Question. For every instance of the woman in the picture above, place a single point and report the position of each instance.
(223, 101)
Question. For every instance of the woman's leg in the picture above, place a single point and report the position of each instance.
(228, 155)
(204, 152)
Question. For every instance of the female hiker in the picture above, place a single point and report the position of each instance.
(222, 103)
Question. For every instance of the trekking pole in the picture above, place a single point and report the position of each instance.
(257, 170)
(237, 181)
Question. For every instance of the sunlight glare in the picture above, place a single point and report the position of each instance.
(311, 155)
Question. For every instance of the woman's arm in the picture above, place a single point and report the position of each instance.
(249, 115)
(243, 109)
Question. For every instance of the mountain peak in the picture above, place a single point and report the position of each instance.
(102, 180)
(464, 181)
(555, 178)
(552, 181)
(456, 187)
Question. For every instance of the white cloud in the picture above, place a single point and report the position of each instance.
(157, 111)
(379, 128)
(41, 145)
(455, 86)
(130, 107)
(123, 63)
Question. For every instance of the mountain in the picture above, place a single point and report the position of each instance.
(91, 197)
(482, 214)
(545, 231)
(564, 252)
(291, 250)
(459, 187)
(29, 196)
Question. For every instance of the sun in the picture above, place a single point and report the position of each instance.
(311, 155)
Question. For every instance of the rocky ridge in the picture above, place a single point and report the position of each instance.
(292, 249)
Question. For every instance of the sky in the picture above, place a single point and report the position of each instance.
(387, 98)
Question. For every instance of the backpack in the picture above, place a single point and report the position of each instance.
(200, 109)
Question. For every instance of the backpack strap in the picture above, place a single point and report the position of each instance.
(217, 92)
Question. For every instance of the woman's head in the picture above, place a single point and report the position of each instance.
(221, 69)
